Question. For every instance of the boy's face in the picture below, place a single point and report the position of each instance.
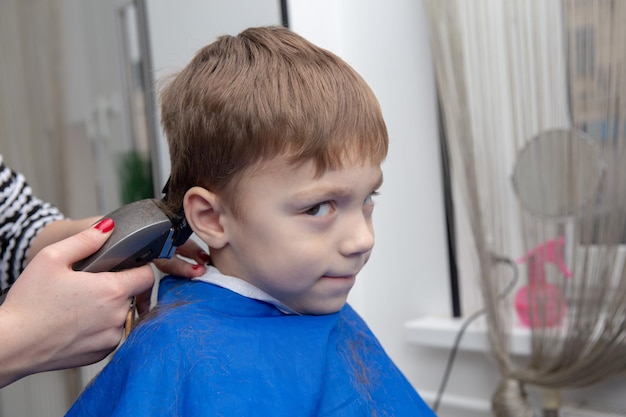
(300, 238)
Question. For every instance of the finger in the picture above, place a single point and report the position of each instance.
(85, 243)
(180, 267)
(136, 280)
(192, 250)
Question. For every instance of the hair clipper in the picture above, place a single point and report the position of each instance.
(143, 232)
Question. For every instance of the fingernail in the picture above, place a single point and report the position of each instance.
(205, 256)
(105, 225)
(195, 267)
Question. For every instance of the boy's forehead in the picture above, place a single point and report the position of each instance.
(280, 165)
(302, 176)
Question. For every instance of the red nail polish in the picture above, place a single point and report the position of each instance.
(195, 267)
(105, 225)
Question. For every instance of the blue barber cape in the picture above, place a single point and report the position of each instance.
(209, 351)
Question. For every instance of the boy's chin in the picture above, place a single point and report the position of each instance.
(322, 309)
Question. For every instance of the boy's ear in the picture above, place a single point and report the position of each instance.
(203, 212)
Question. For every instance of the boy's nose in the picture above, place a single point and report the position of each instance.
(359, 236)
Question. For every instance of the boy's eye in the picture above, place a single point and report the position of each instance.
(370, 199)
(321, 209)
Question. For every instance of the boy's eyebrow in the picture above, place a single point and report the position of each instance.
(378, 183)
(333, 192)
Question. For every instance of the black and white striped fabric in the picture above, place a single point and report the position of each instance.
(22, 216)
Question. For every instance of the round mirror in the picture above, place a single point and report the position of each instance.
(558, 173)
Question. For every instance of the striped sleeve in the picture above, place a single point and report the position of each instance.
(22, 216)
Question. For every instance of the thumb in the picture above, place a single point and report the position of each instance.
(136, 281)
(85, 243)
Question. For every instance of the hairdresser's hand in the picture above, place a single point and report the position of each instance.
(179, 267)
(55, 317)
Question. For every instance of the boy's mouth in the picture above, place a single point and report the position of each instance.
(340, 277)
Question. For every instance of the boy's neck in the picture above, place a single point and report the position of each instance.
(241, 287)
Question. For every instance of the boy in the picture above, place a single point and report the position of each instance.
(276, 147)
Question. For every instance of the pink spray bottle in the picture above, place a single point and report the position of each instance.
(543, 296)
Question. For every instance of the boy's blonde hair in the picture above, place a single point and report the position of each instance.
(264, 93)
